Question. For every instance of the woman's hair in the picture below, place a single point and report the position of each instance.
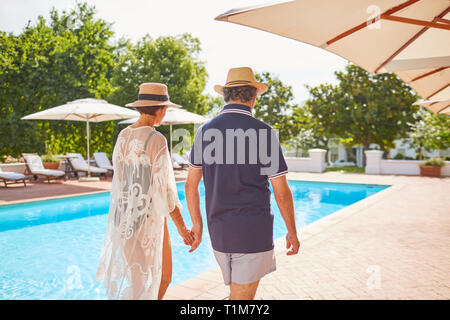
(244, 93)
(151, 111)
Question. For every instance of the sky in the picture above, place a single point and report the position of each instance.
(224, 45)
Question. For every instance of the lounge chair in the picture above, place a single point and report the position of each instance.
(178, 159)
(36, 168)
(102, 161)
(186, 155)
(12, 177)
(80, 165)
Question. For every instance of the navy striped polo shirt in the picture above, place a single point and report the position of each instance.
(238, 155)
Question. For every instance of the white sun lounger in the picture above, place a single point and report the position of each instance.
(36, 168)
(80, 165)
(102, 161)
(179, 160)
(12, 177)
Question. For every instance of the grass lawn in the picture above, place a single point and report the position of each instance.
(346, 169)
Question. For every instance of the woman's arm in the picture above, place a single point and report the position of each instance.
(184, 232)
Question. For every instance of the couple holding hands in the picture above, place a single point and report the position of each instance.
(136, 259)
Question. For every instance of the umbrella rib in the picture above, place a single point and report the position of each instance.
(442, 20)
(442, 109)
(366, 23)
(428, 24)
(403, 47)
(77, 115)
(439, 90)
(429, 73)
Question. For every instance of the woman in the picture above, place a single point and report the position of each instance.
(136, 260)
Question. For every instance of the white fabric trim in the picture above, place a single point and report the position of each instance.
(248, 113)
(194, 166)
(276, 175)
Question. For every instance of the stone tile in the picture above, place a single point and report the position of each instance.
(181, 292)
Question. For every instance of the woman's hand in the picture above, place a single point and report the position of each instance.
(186, 234)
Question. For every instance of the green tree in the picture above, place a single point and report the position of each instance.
(48, 64)
(276, 106)
(172, 60)
(363, 108)
(429, 131)
(215, 104)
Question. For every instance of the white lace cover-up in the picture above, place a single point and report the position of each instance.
(143, 194)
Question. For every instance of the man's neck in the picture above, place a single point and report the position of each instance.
(248, 104)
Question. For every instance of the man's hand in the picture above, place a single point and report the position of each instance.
(193, 202)
(292, 243)
(197, 231)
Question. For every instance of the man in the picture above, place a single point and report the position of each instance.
(237, 155)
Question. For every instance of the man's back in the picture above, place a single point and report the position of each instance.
(238, 154)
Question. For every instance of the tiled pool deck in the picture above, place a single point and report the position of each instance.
(392, 245)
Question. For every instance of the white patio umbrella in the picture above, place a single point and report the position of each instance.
(88, 110)
(436, 106)
(175, 116)
(408, 37)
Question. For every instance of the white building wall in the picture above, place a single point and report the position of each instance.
(376, 165)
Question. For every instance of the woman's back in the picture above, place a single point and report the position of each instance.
(143, 193)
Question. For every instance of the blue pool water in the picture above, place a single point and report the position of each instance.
(50, 249)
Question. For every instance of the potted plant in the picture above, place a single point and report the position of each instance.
(50, 161)
(432, 167)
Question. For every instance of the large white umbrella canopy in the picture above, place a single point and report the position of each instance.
(436, 106)
(379, 36)
(175, 116)
(88, 110)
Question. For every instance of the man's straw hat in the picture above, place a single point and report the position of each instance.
(152, 94)
(238, 77)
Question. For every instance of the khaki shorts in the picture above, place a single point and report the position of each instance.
(245, 268)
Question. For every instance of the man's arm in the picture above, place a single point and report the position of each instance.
(193, 202)
(285, 202)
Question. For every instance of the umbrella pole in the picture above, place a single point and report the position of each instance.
(88, 153)
(88, 137)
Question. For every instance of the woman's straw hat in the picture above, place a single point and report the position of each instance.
(152, 94)
(238, 77)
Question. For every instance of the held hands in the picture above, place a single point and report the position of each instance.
(192, 237)
(186, 234)
(196, 231)
(292, 243)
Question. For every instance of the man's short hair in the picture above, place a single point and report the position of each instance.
(244, 93)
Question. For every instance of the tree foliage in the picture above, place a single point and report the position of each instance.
(429, 131)
(71, 56)
(49, 64)
(172, 60)
(363, 108)
(276, 106)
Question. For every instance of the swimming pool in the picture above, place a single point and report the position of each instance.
(50, 249)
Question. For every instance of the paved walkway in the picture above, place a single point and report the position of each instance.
(392, 245)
